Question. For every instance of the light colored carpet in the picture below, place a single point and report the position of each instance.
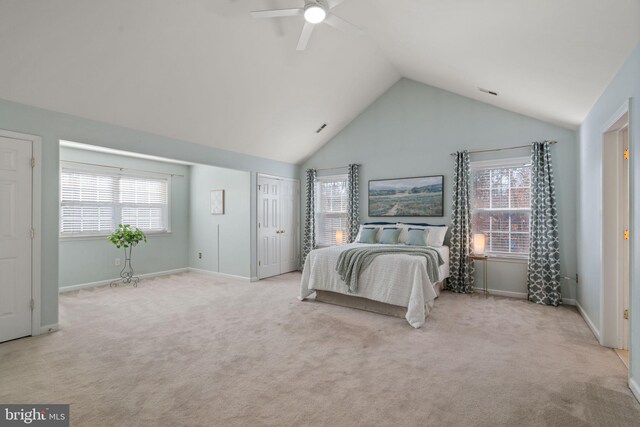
(195, 350)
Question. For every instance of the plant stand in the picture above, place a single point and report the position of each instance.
(126, 275)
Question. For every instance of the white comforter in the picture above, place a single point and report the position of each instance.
(396, 279)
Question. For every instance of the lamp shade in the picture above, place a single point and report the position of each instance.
(478, 244)
(338, 237)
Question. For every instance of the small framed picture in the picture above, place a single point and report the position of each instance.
(217, 202)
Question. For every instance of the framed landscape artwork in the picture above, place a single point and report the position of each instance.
(420, 196)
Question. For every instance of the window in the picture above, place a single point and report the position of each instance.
(93, 201)
(331, 208)
(501, 205)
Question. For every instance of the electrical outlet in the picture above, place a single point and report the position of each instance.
(117, 261)
(199, 255)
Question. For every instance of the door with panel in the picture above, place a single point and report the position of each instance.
(15, 238)
(268, 227)
(289, 225)
(278, 226)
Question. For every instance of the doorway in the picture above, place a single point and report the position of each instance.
(19, 235)
(278, 225)
(616, 234)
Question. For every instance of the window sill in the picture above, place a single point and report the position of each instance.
(104, 236)
(508, 258)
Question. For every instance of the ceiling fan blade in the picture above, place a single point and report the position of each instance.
(276, 13)
(305, 36)
(334, 3)
(341, 24)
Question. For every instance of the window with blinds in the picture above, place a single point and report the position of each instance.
(331, 208)
(95, 201)
(501, 205)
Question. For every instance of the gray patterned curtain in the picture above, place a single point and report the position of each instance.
(353, 203)
(461, 267)
(309, 238)
(543, 277)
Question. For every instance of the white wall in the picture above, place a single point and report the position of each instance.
(412, 129)
(223, 240)
(625, 86)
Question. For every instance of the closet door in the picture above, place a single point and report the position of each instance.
(289, 225)
(278, 226)
(268, 227)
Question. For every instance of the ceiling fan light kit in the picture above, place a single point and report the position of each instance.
(314, 12)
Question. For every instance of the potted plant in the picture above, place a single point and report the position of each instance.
(126, 237)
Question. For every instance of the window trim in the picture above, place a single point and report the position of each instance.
(497, 164)
(111, 171)
(317, 214)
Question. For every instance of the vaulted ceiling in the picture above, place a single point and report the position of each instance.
(204, 71)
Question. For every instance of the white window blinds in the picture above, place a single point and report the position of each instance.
(331, 208)
(501, 205)
(93, 201)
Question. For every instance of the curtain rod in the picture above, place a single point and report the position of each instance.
(503, 149)
(331, 169)
(119, 168)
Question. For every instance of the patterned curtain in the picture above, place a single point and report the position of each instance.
(353, 203)
(309, 238)
(461, 267)
(543, 277)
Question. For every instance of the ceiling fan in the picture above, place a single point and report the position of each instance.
(314, 12)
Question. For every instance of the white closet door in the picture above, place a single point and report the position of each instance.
(268, 227)
(289, 226)
(15, 238)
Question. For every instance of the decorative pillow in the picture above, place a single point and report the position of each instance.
(404, 231)
(368, 235)
(435, 237)
(390, 236)
(417, 237)
(369, 225)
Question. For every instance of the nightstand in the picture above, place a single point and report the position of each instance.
(483, 258)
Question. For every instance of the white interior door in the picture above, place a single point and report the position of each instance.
(625, 262)
(268, 227)
(278, 226)
(289, 225)
(15, 238)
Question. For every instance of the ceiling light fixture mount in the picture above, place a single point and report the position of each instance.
(314, 13)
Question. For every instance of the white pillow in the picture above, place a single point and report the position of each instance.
(434, 238)
(436, 235)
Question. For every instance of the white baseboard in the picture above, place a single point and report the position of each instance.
(635, 389)
(510, 294)
(217, 274)
(254, 279)
(588, 321)
(45, 329)
(106, 282)
(519, 295)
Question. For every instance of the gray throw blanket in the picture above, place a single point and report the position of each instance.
(353, 261)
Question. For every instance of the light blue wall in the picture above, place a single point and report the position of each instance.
(625, 85)
(53, 127)
(412, 129)
(223, 240)
(86, 260)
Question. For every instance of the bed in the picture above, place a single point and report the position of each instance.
(394, 284)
